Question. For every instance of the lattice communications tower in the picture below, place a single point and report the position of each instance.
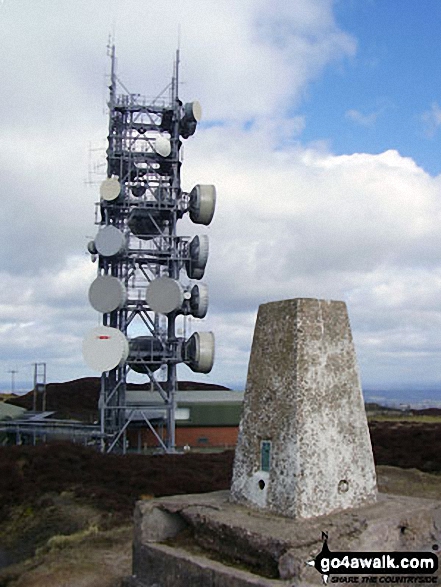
(148, 276)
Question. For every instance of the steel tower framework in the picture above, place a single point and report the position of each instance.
(139, 251)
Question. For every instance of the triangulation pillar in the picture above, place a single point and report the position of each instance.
(304, 448)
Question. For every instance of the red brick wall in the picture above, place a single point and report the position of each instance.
(196, 437)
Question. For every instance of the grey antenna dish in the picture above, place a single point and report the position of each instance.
(164, 295)
(188, 123)
(198, 250)
(199, 300)
(110, 189)
(146, 353)
(92, 248)
(107, 294)
(110, 241)
(199, 352)
(138, 190)
(198, 253)
(202, 204)
(193, 111)
(162, 146)
(105, 348)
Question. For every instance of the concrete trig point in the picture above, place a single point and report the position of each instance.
(304, 448)
(303, 466)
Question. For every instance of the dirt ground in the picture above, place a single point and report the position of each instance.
(65, 510)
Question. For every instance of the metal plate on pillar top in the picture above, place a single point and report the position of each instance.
(105, 348)
(110, 241)
(162, 146)
(110, 189)
(202, 204)
(107, 293)
(199, 352)
(199, 300)
(164, 295)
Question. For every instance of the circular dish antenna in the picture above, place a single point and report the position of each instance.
(110, 241)
(162, 146)
(202, 204)
(198, 250)
(92, 248)
(193, 111)
(105, 348)
(138, 190)
(198, 253)
(145, 354)
(107, 294)
(110, 189)
(199, 352)
(164, 295)
(199, 300)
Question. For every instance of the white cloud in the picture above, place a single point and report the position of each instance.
(362, 228)
(291, 221)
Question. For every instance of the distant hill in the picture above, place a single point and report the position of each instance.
(78, 399)
(6, 396)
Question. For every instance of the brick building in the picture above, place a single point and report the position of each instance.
(204, 419)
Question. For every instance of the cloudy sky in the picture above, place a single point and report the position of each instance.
(321, 132)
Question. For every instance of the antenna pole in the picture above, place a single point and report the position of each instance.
(12, 372)
(112, 86)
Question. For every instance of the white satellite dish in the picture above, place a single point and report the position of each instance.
(110, 189)
(198, 253)
(92, 248)
(162, 146)
(202, 204)
(193, 111)
(199, 300)
(110, 241)
(198, 249)
(199, 352)
(107, 293)
(164, 295)
(105, 348)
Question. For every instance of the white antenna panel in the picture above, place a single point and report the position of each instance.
(110, 241)
(107, 294)
(162, 146)
(110, 189)
(105, 348)
(199, 251)
(202, 204)
(164, 295)
(199, 300)
(92, 248)
(193, 111)
(199, 350)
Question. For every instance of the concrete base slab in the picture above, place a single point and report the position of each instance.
(206, 540)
